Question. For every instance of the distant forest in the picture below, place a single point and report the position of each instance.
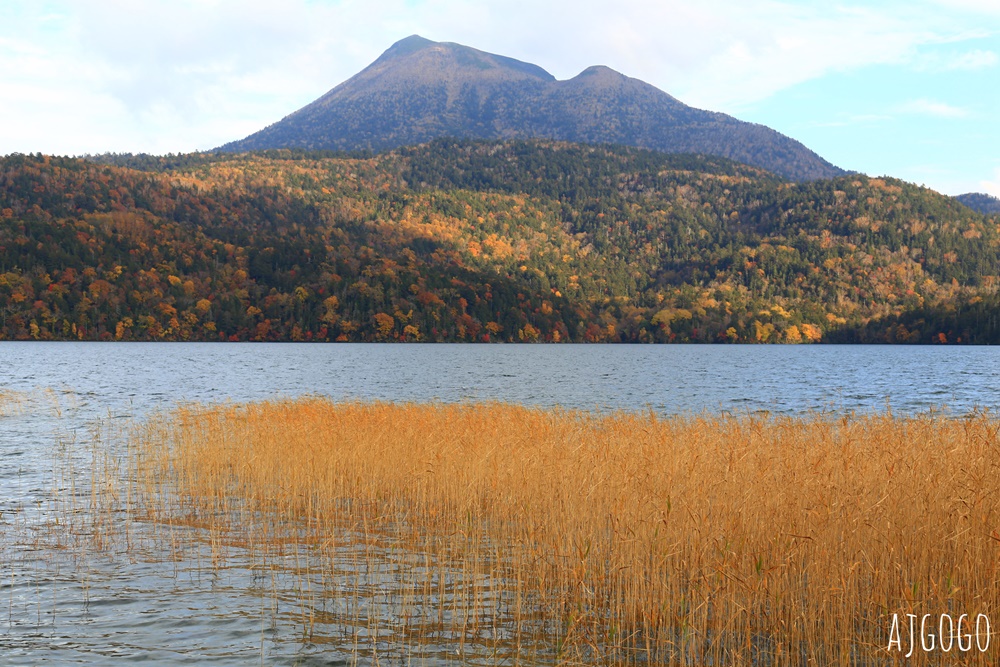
(484, 241)
(977, 201)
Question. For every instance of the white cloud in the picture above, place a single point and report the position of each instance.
(933, 108)
(974, 60)
(992, 187)
(177, 75)
(974, 6)
(968, 61)
(779, 48)
(718, 54)
(854, 120)
(870, 118)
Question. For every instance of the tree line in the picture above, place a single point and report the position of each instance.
(483, 241)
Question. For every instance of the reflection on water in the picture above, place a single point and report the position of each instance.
(92, 572)
(68, 602)
(68, 598)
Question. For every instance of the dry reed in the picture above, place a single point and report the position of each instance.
(607, 539)
(11, 402)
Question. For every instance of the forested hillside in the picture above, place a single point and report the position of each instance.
(484, 241)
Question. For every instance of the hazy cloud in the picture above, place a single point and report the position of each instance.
(992, 187)
(178, 75)
(968, 61)
(974, 6)
(854, 120)
(932, 108)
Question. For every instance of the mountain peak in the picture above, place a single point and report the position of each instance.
(601, 70)
(406, 46)
(419, 90)
(602, 76)
(418, 56)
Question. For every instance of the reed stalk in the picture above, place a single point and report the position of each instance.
(580, 538)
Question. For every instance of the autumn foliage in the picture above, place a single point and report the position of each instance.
(465, 241)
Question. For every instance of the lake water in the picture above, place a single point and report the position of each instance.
(668, 379)
(61, 607)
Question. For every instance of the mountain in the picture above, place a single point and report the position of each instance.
(484, 241)
(977, 201)
(420, 90)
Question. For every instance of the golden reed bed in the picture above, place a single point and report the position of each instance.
(616, 539)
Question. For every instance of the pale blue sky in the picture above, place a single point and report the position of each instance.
(909, 89)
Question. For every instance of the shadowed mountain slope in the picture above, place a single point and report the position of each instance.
(421, 90)
(983, 203)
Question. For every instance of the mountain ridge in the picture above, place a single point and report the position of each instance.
(419, 90)
(980, 202)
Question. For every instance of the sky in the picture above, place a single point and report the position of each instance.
(909, 89)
